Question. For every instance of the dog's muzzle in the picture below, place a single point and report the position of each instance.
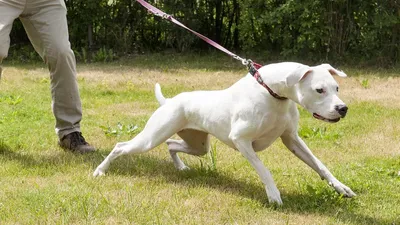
(342, 110)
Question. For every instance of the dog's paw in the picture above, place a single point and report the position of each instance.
(342, 189)
(98, 172)
(275, 200)
(274, 196)
(183, 168)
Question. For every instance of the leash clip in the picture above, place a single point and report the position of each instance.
(253, 70)
(249, 63)
(245, 62)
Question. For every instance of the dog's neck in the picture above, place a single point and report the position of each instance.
(278, 85)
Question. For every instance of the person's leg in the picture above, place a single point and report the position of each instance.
(9, 11)
(46, 25)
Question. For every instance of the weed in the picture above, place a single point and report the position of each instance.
(323, 196)
(307, 132)
(365, 83)
(209, 161)
(119, 129)
(44, 80)
(11, 99)
(318, 132)
(104, 55)
(213, 156)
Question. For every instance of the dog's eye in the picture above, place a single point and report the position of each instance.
(320, 90)
(337, 89)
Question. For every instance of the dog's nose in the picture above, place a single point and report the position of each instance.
(341, 109)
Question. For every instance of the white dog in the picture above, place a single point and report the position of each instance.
(246, 117)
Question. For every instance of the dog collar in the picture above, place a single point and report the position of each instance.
(253, 70)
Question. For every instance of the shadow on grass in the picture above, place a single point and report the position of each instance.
(326, 202)
(7, 154)
(46, 162)
(153, 168)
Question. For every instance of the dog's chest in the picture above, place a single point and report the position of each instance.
(269, 127)
(272, 123)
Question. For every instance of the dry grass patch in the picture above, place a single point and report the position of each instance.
(379, 142)
(146, 78)
(382, 91)
(132, 109)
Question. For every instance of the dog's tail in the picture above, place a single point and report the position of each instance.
(160, 97)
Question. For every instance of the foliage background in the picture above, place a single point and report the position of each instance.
(355, 32)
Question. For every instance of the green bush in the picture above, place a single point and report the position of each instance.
(337, 31)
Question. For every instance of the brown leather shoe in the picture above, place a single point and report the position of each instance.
(75, 142)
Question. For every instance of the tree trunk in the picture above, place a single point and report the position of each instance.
(218, 20)
(236, 10)
(90, 41)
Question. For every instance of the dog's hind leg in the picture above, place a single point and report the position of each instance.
(165, 122)
(194, 143)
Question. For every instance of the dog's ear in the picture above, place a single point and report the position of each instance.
(297, 75)
(332, 70)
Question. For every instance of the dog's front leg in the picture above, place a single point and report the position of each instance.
(296, 145)
(245, 147)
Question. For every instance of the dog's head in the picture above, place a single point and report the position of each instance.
(317, 91)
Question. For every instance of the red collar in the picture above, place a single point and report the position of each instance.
(253, 70)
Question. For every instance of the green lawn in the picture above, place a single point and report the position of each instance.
(42, 184)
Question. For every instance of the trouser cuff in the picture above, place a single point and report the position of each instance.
(63, 133)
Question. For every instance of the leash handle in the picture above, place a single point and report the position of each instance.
(163, 15)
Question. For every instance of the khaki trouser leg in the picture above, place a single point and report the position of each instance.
(9, 11)
(46, 25)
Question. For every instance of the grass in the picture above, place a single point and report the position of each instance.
(42, 184)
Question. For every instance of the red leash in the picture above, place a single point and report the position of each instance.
(162, 14)
(252, 66)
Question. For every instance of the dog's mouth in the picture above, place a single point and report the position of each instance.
(317, 116)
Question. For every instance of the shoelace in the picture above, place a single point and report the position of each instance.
(77, 139)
